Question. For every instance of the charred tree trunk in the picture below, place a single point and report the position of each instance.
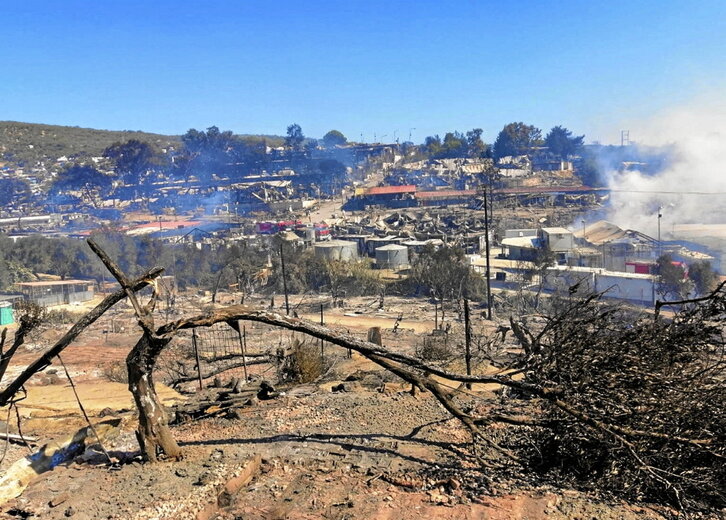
(154, 436)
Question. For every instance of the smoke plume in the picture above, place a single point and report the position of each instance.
(690, 187)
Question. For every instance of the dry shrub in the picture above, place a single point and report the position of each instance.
(435, 348)
(304, 364)
(62, 317)
(116, 373)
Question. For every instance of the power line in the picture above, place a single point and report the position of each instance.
(669, 192)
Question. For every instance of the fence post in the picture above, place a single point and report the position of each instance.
(196, 356)
(242, 333)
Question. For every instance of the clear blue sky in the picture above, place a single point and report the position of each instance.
(357, 66)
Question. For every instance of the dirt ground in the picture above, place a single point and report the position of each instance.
(368, 450)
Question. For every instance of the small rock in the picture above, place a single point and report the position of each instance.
(106, 412)
(204, 479)
(58, 500)
(70, 511)
(181, 472)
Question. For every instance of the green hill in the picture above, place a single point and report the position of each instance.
(29, 142)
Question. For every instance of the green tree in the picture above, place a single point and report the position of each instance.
(516, 139)
(80, 177)
(294, 139)
(445, 273)
(132, 159)
(560, 142)
(333, 138)
(476, 146)
(703, 276)
(208, 152)
(433, 146)
(672, 281)
(454, 145)
(15, 191)
(588, 169)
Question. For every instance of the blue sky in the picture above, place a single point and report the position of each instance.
(362, 67)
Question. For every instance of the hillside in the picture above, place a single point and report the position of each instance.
(29, 142)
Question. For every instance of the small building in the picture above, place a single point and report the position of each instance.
(57, 292)
(6, 313)
(392, 256)
(557, 239)
(522, 248)
(633, 287)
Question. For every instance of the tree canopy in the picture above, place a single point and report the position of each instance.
(13, 191)
(561, 143)
(133, 159)
(456, 145)
(703, 276)
(208, 152)
(516, 139)
(477, 147)
(295, 137)
(333, 138)
(81, 176)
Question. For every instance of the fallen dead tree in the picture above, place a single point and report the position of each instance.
(571, 369)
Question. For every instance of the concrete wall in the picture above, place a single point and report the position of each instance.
(636, 288)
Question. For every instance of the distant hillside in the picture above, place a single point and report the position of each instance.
(30, 142)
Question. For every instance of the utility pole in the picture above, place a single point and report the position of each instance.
(486, 244)
(467, 336)
(284, 281)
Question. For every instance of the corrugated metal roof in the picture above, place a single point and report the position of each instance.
(390, 190)
(50, 283)
(443, 194)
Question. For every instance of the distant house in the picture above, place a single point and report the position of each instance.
(523, 244)
(58, 292)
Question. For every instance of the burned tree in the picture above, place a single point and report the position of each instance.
(154, 436)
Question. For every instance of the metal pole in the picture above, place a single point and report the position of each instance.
(284, 281)
(467, 336)
(322, 343)
(242, 333)
(486, 244)
(196, 356)
(660, 248)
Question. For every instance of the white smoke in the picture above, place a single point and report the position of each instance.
(690, 189)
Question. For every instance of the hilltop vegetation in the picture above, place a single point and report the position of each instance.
(28, 143)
